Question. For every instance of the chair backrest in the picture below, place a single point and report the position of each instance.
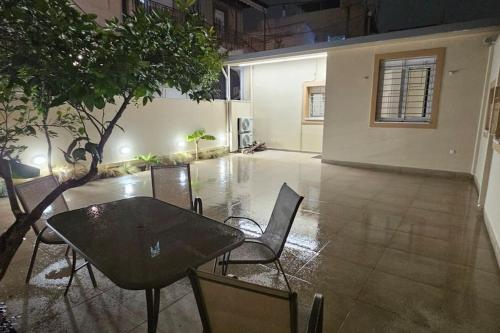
(172, 184)
(282, 217)
(31, 193)
(229, 305)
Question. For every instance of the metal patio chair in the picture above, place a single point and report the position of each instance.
(230, 305)
(172, 184)
(269, 245)
(30, 194)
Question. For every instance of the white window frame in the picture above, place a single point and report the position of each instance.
(306, 107)
(431, 100)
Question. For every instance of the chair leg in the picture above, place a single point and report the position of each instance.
(216, 262)
(67, 251)
(284, 275)
(91, 273)
(225, 263)
(32, 261)
(73, 270)
(277, 267)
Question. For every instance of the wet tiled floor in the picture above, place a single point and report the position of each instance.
(389, 252)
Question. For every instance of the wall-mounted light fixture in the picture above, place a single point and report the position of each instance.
(39, 160)
(222, 139)
(181, 143)
(125, 150)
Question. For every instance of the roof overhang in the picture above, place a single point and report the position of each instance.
(471, 27)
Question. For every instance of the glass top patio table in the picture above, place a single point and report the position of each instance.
(144, 243)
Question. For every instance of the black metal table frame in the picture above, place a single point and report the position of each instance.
(152, 294)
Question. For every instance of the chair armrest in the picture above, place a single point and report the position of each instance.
(244, 218)
(315, 324)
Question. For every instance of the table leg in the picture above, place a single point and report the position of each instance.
(153, 305)
(73, 270)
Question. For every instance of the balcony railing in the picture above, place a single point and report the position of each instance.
(150, 6)
(230, 40)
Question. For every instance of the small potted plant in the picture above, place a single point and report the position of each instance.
(148, 160)
(196, 137)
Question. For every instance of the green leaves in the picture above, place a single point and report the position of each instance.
(46, 49)
(30, 131)
(149, 159)
(199, 135)
(56, 55)
(16, 120)
(184, 5)
(208, 137)
(79, 154)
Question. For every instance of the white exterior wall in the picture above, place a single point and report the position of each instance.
(159, 127)
(492, 206)
(484, 146)
(492, 202)
(277, 104)
(239, 109)
(348, 135)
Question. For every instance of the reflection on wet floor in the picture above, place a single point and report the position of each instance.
(390, 252)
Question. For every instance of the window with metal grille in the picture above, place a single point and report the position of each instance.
(314, 102)
(407, 88)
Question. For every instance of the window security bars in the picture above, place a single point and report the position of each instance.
(316, 103)
(405, 90)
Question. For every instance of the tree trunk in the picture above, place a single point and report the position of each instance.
(11, 239)
(196, 150)
(49, 142)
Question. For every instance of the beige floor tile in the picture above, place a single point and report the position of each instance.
(413, 301)
(337, 275)
(390, 252)
(368, 318)
(347, 249)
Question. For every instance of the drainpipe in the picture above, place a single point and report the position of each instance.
(265, 24)
(483, 187)
(368, 22)
(348, 18)
(227, 75)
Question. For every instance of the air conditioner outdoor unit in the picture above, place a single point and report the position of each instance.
(245, 140)
(245, 125)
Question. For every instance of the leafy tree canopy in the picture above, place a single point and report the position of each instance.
(57, 55)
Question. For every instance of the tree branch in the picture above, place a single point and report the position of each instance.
(49, 141)
(6, 174)
(12, 238)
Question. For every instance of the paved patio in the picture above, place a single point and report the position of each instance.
(389, 252)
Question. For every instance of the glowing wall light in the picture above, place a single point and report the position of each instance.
(222, 139)
(125, 150)
(181, 143)
(39, 160)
